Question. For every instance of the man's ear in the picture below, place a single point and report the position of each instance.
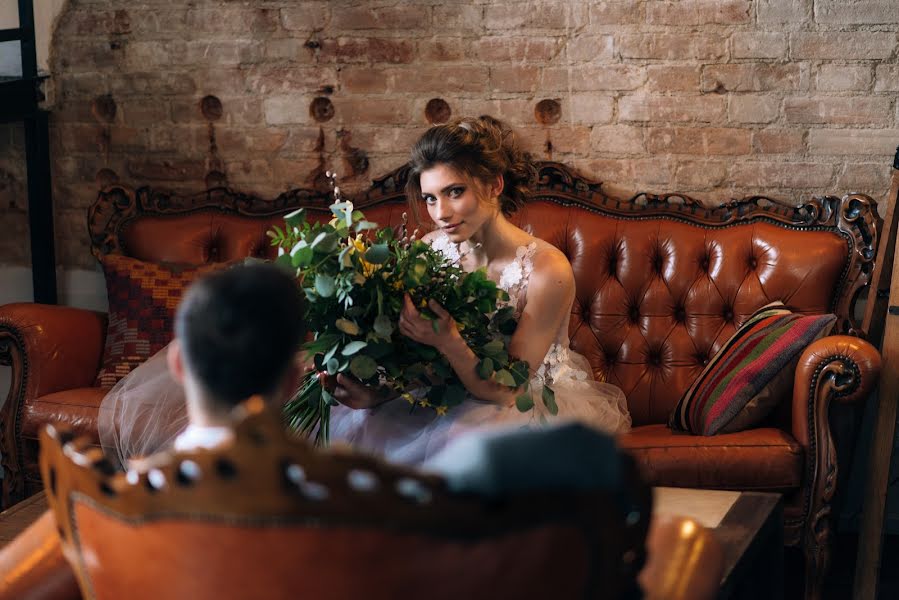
(175, 360)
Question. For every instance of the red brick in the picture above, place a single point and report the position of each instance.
(265, 79)
(167, 169)
(440, 78)
(179, 138)
(368, 50)
(750, 77)
(155, 83)
(838, 110)
(700, 141)
(700, 174)
(81, 84)
(515, 79)
(536, 14)
(842, 78)
(672, 46)
(399, 18)
(777, 141)
(753, 108)
(373, 111)
(761, 175)
(587, 78)
(641, 107)
(617, 139)
(309, 16)
(590, 48)
(304, 140)
(848, 45)
(252, 171)
(853, 141)
(670, 78)
(458, 17)
(504, 49)
(292, 49)
(293, 173)
(129, 139)
(442, 49)
(699, 12)
(512, 110)
(286, 109)
(886, 78)
(136, 113)
(75, 137)
(756, 44)
(95, 23)
(223, 82)
(857, 12)
(564, 139)
(784, 11)
(242, 142)
(863, 177)
(587, 108)
(392, 140)
(222, 52)
(617, 13)
(365, 80)
(91, 56)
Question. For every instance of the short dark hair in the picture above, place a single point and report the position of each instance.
(481, 148)
(239, 330)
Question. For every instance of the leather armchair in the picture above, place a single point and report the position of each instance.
(662, 282)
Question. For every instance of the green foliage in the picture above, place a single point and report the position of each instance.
(354, 276)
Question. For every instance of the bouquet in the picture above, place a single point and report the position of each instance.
(354, 276)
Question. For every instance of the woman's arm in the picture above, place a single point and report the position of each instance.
(549, 298)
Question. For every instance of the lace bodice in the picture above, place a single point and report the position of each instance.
(514, 280)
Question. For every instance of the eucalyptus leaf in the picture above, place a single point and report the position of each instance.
(324, 285)
(324, 242)
(302, 258)
(493, 348)
(363, 367)
(503, 377)
(377, 254)
(485, 368)
(524, 402)
(332, 366)
(383, 326)
(365, 226)
(296, 218)
(353, 348)
(330, 353)
(454, 395)
(549, 399)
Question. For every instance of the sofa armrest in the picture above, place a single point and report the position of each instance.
(50, 348)
(836, 367)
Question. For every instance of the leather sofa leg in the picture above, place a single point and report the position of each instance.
(817, 563)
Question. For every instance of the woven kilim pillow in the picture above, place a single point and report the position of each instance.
(751, 373)
(142, 301)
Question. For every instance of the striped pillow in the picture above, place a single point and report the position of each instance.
(749, 375)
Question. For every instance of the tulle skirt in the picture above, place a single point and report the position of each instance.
(409, 434)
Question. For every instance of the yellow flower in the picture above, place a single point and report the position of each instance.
(424, 404)
(347, 326)
(408, 398)
(441, 410)
(357, 244)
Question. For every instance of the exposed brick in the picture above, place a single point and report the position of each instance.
(587, 108)
(241, 142)
(672, 78)
(504, 49)
(863, 176)
(777, 141)
(747, 77)
(838, 110)
(640, 107)
(886, 78)
(85, 55)
(90, 23)
(167, 169)
(672, 46)
(252, 171)
(753, 108)
(395, 139)
(304, 140)
(368, 50)
(459, 17)
(223, 21)
(856, 12)
(537, 14)
(701, 141)
(265, 79)
(440, 78)
(761, 175)
(292, 49)
(514, 110)
(293, 173)
(617, 139)
(143, 84)
(784, 11)
(699, 12)
(223, 82)
(136, 113)
(400, 17)
(286, 109)
(141, 55)
(564, 139)
(843, 78)
(754, 44)
(700, 173)
(221, 52)
(442, 49)
(365, 80)
(586, 78)
(307, 17)
(616, 13)
(853, 141)
(178, 138)
(590, 48)
(848, 45)
(374, 111)
(515, 78)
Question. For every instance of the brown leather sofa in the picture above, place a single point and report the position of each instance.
(662, 282)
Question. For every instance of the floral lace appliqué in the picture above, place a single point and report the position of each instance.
(514, 278)
(444, 245)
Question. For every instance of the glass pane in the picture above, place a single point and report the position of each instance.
(11, 59)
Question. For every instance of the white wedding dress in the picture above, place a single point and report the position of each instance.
(145, 412)
(408, 434)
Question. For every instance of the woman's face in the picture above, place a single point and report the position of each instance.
(457, 203)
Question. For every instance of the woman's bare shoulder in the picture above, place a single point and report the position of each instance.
(550, 265)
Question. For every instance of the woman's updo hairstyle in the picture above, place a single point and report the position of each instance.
(481, 148)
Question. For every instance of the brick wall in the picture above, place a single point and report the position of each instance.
(716, 98)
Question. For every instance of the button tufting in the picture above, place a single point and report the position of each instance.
(704, 263)
(753, 262)
(633, 314)
(680, 314)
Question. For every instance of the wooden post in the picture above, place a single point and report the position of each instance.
(881, 318)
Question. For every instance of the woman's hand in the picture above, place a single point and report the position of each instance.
(437, 333)
(353, 394)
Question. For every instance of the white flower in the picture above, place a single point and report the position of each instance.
(446, 247)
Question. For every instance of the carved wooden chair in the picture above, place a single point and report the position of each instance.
(271, 517)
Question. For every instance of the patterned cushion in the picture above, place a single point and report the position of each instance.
(750, 374)
(142, 301)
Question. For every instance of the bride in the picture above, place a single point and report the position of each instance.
(470, 176)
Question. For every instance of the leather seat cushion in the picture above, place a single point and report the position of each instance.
(78, 408)
(764, 459)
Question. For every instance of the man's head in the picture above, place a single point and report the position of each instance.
(236, 335)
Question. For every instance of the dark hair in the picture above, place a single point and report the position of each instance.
(239, 330)
(481, 148)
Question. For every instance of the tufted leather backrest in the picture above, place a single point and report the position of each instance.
(662, 282)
